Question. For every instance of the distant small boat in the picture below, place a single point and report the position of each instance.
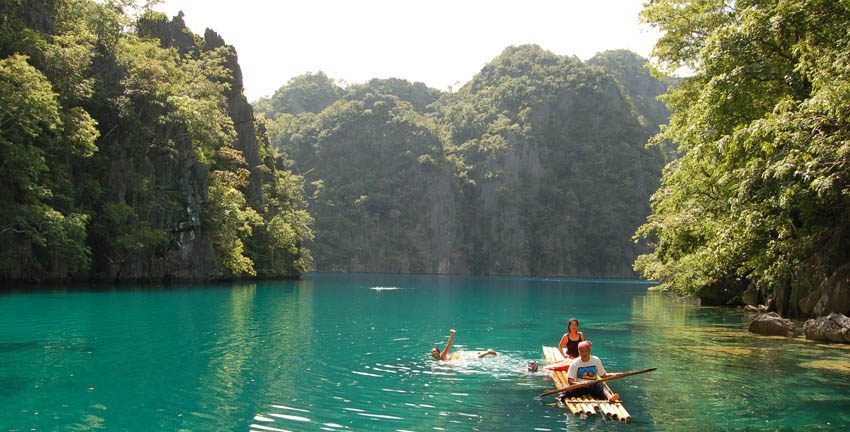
(586, 404)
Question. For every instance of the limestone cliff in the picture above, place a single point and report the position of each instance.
(561, 176)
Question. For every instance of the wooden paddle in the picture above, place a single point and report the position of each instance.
(590, 383)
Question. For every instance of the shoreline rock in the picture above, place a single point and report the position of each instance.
(771, 324)
(759, 309)
(834, 327)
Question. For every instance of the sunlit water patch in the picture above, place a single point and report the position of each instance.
(383, 288)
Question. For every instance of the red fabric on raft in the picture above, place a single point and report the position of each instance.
(561, 365)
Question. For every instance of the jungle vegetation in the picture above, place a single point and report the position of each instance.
(121, 156)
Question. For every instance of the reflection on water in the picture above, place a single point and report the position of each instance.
(723, 370)
(337, 352)
(229, 350)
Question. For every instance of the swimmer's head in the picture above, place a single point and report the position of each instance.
(435, 352)
(532, 366)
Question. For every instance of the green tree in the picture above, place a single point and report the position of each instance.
(417, 94)
(278, 245)
(229, 220)
(759, 195)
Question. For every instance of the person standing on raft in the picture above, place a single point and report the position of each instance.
(571, 339)
(444, 355)
(588, 368)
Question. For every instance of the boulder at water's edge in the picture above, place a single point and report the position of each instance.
(771, 324)
(834, 327)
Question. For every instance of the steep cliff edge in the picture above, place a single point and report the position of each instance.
(142, 157)
(191, 254)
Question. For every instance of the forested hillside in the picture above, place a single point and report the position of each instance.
(537, 166)
(130, 153)
(756, 208)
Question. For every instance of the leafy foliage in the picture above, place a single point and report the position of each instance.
(38, 133)
(759, 194)
(229, 217)
(417, 94)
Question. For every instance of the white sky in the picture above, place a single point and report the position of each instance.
(439, 42)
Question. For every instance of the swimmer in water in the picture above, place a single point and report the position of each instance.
(444, 355)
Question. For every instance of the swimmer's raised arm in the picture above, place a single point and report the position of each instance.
(448, 345)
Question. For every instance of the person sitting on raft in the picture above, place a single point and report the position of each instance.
(444, 355)
(571, 339)
(588, 368)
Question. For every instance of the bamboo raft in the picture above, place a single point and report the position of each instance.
(585, 404)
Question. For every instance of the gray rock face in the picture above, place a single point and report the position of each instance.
(831, 295)
(771, 324)
(190, 255)
(834, 327)
(751, 296)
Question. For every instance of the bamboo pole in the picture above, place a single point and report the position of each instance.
(626, 416)
(607, 410)
(589, 408)
(572, 408)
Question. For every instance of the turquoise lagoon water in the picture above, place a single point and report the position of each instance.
(334, 352)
